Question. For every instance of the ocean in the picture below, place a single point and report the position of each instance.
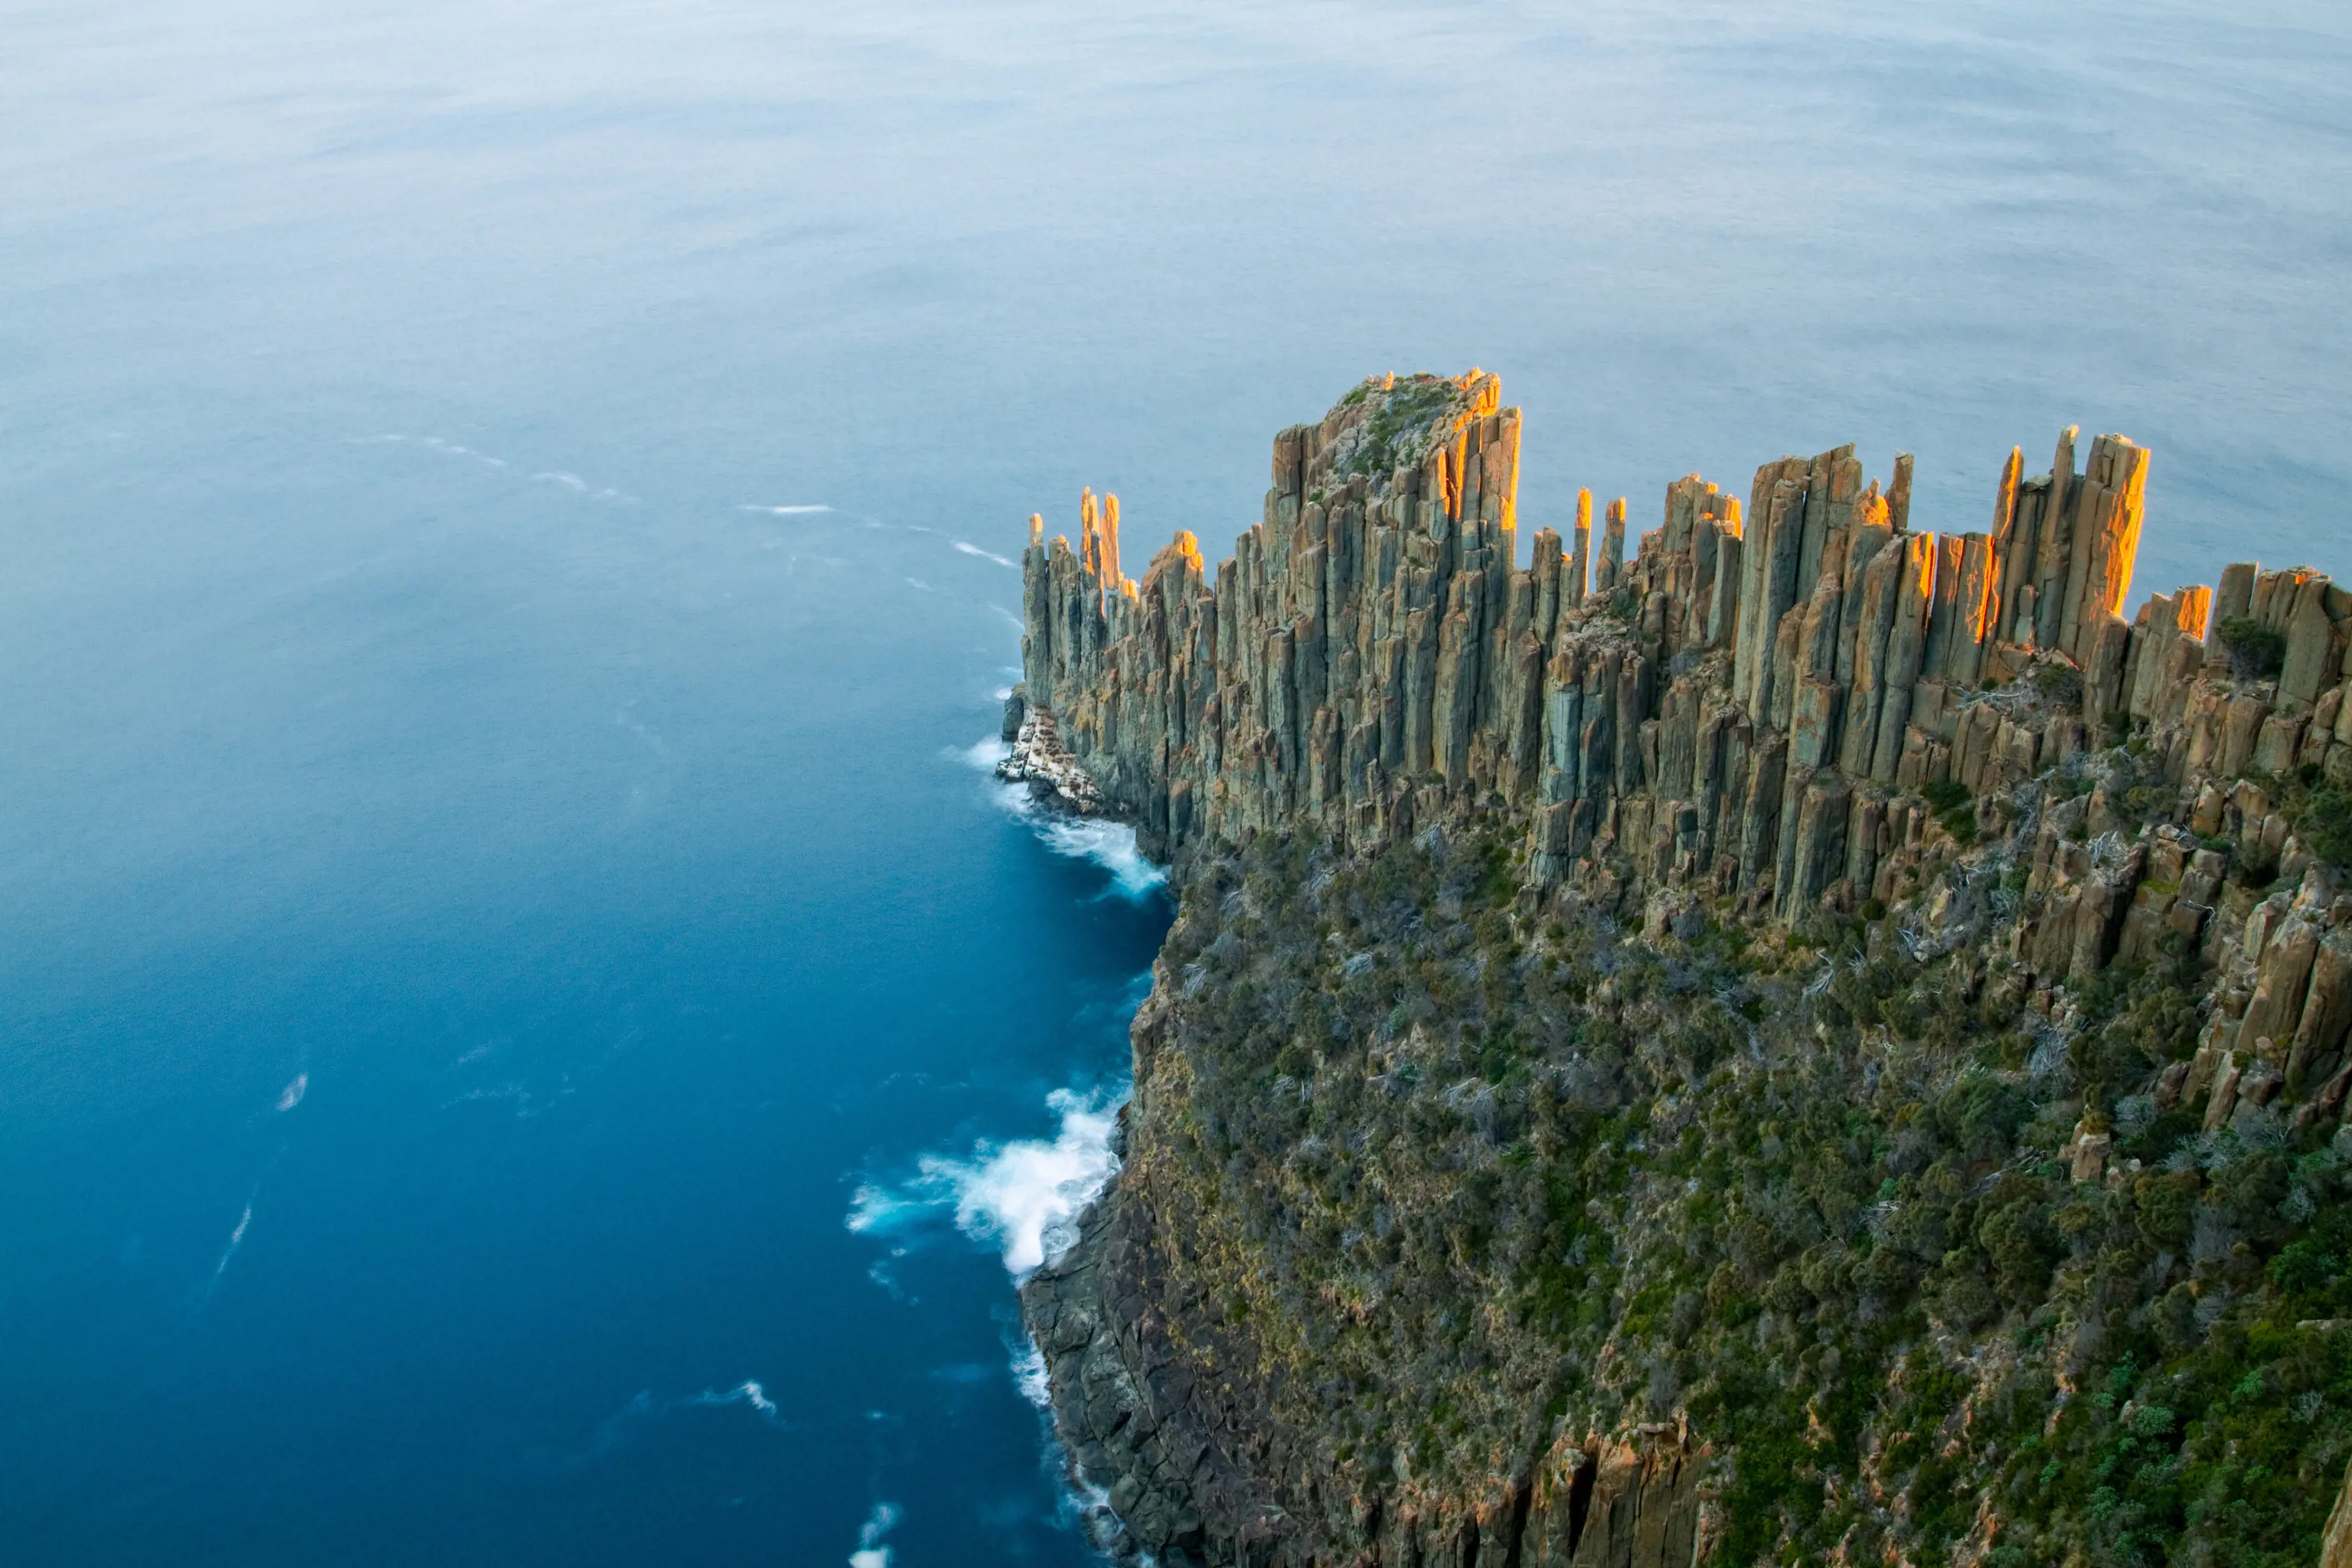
(527, 1031)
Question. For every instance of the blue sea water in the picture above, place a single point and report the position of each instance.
(526, 1034)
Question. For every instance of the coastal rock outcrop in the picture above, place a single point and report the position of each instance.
(1785, 715)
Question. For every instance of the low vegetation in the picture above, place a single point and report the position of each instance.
(1455, 1182)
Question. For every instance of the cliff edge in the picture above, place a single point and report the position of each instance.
(1818, 1040)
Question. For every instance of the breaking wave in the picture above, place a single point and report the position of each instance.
(293, 1093)
(1029, 1375)
(1022, 1196)
(1110, 844)
(786, 510)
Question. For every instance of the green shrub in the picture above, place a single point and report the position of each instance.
(2324, 825)
(1945, 795)
(2256, 651)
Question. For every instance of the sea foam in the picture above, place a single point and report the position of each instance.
(744, 1392)
(1110, 845)
(983, 754)
(1021, 1197)
(871, 1553)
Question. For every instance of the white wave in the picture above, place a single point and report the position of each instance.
(292, 1094)
(1087, 1507)
(985, 554)
(235, 1240)
(431, 443)
(1023, 1197)
(1110, 845)
(982, 755)
(786, 510)
(744, 1392)
(1029, 1375)
(919, 582)
(878, 1211)
(871, 1553)
(1026, 1194)
(579, 486)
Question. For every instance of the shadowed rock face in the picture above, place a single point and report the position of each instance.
(1773, 711)
(1175, 1455)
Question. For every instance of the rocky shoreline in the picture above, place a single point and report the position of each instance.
(1037, 759)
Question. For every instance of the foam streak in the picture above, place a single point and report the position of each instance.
(871, 1553)
(985, 555)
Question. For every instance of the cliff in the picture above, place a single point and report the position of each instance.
(1708, 1054)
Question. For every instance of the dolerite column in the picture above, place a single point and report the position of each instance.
(1580, 565)
(1867, 536)
(2230, 603)
(1723, 604)
(1866, 696)
(2080, 619)
(1547, 570)
(1760, 812)
(1943, 613)
(1972, 610)
(2107, 534)
(1036, 618)
(2312, 659)
(1768, 579)
(1090, 540)
(1455, 694)
(1112, 581)
(2013, 567)
(1563, 728)
(1613, 547)
(2054, 551)
(1906, 642)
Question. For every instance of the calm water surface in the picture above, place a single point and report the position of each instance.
(525, 1037)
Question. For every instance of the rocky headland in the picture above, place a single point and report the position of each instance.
(1816, 1041)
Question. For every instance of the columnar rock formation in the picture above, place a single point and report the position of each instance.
(1783, 708)
(1751, 707)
